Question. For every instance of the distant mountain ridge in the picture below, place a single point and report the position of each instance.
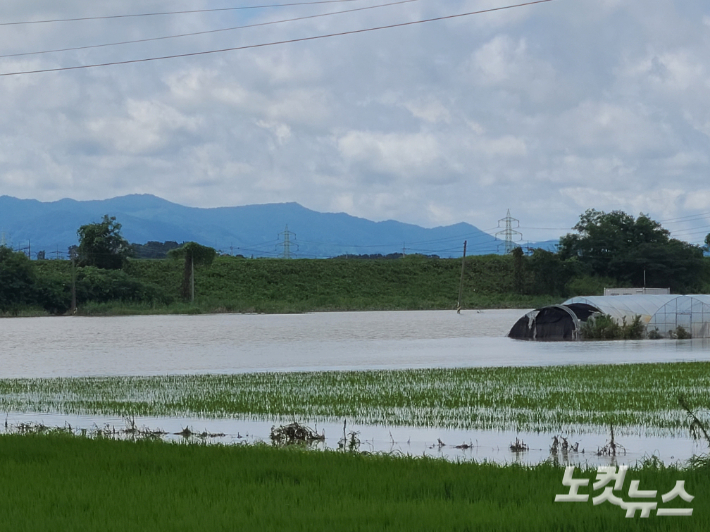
(247, 230)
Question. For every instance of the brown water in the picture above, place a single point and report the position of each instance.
(237, 343)
(451, 444)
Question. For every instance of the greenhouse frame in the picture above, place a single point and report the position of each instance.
(662, 315)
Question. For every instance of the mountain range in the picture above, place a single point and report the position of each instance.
(250, 230)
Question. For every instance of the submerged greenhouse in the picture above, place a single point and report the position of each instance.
(662, 316)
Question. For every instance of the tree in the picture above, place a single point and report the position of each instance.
(153, 250)
(194, 255)
(550, 274)
(101, 244)
(634, 251)
(16, 280)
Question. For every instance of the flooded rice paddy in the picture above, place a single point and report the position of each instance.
(238, 343)
(49, 348)
(450, 444)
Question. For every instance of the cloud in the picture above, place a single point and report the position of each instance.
(429, 110)
(390, 154)
(546, 110)
(142, 126)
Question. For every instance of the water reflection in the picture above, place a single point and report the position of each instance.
(478, 445)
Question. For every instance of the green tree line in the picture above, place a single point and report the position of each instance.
(607, 250)
(612, 250)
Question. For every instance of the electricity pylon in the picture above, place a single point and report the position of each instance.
(509, 234)
(286, 244)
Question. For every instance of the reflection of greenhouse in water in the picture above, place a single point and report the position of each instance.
(661, 314)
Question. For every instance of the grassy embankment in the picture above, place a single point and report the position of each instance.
(308, 285)
(634, 398)
(76, 484)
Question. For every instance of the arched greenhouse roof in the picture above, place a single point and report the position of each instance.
(691, 312)
(663, 315)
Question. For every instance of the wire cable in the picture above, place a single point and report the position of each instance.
(206, 32)
(162, 13)
(273, 43)
(685, 218)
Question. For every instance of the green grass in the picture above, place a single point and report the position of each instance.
(634, 398)
(310, 285)
(77, 484)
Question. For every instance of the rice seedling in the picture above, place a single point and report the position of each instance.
(61, 482)
(636, 399)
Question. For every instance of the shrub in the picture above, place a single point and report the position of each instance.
(654, 334)
(680, 333)
(604, 327)
(95, 284)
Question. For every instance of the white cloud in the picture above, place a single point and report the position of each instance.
(401, 155)
(144, 126)
(429, 110)
(546, 110)
(280, 130)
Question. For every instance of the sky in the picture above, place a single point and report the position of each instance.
(545, 110)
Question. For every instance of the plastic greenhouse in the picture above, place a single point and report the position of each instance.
(662, 315)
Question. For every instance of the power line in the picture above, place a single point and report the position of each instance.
(206, 32)
(548, 228)
(481, 234)
(692, 231)
(684, 218)
(162, 13)
(273, 43)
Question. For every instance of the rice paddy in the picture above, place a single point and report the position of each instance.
(636, 399)
(60, 482)
(52, 479)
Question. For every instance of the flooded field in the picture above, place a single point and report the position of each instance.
(450, 444)
(220, 374)
(235, 343)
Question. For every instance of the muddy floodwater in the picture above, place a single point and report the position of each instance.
(237, 343)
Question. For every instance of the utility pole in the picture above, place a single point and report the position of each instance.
(27, 250)
(509, 233)
(463, 266)
(192, 279)
(73, 284)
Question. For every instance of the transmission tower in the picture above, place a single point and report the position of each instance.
(3, 239)
(509, 234)
(286, 244)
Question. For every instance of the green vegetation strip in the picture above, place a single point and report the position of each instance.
(78, 484)
(280, 286)
(635, 398)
